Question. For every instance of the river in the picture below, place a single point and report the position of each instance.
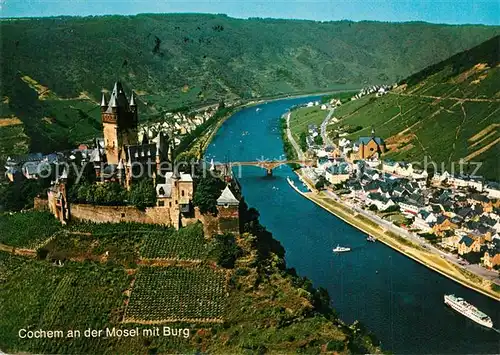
(398, 299)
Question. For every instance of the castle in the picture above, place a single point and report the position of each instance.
(119, 155)
(116, 158)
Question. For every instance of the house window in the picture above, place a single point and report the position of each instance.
(170, 204)
(182, 193)
(175, 201)
(371, 149)
(123, 215)
(161, 203)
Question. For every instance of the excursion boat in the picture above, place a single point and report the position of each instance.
(371, 239)
(339, 249)
(468, 310)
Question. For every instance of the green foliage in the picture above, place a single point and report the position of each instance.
(427, 117)
(38, 295)
(303, 141)
(226, 250)
(320, 184)
(108, 193)
(143, 194)
(177, 293)
(208, 190)
(186, 243)
(27, 229)
(198, 59)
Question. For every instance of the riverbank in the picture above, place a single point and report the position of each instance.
(206, 138)
(402, 245)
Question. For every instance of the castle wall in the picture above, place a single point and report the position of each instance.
(116, 214)
(228, 219)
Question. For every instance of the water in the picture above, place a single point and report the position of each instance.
(402, 303)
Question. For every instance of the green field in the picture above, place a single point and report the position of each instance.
(27, 229)
(187, 243)
(448, 112)
(303, 117)
(37, 295)
(177, 294)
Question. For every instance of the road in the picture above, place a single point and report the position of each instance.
(473, 268)
(324, 135)
(300, 154)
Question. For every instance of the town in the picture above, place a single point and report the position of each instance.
(457, 216)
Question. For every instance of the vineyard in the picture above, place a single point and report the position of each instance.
(27, 229)
(187, 243)
(113, 228)
(174, 294)
(39, 295)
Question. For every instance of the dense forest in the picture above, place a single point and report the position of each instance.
(53, 69)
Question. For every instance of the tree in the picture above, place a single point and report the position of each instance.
(208, 190)
(143, 194)
(320, 184)
(226, 250)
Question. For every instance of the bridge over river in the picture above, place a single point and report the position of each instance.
(269, 165)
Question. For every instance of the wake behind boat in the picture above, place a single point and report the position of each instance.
(468, 310)
(339, 249)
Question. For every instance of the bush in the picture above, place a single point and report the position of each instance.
(226, 250)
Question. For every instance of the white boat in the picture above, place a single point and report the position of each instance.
(371, 239)
(468, 310)
(339, 249)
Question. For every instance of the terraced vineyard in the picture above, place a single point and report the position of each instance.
(27, 229)
(38, 295)
(177, 294)
(187, 243)
(447, 112)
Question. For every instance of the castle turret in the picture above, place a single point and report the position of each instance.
(104, 104)
(120, 123)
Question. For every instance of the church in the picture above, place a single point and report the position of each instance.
(119, 154)
(371, 147)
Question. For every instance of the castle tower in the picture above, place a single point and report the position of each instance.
(119, 118)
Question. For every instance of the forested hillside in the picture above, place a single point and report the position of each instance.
(53, 69)
(446, 112)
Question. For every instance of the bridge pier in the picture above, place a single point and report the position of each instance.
(269, 172)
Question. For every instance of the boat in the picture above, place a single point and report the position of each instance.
(339, 249)
(371, 239)
(468, 310)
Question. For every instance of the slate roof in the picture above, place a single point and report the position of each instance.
(164, 190)
(366, 140)
(466, 240)
(227, 198)
(140, 152)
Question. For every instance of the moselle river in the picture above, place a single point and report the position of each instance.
(398, 299)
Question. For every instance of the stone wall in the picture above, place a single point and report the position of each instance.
(116, 214)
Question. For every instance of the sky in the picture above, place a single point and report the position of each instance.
(436, 11)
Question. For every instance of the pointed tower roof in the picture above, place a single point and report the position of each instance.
(112, 100)
(132, 99)
(145, 137)
(227, 198)
(103, 101)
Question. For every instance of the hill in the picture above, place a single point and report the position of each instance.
(128, 276)
(53, 69)
(446, 112)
